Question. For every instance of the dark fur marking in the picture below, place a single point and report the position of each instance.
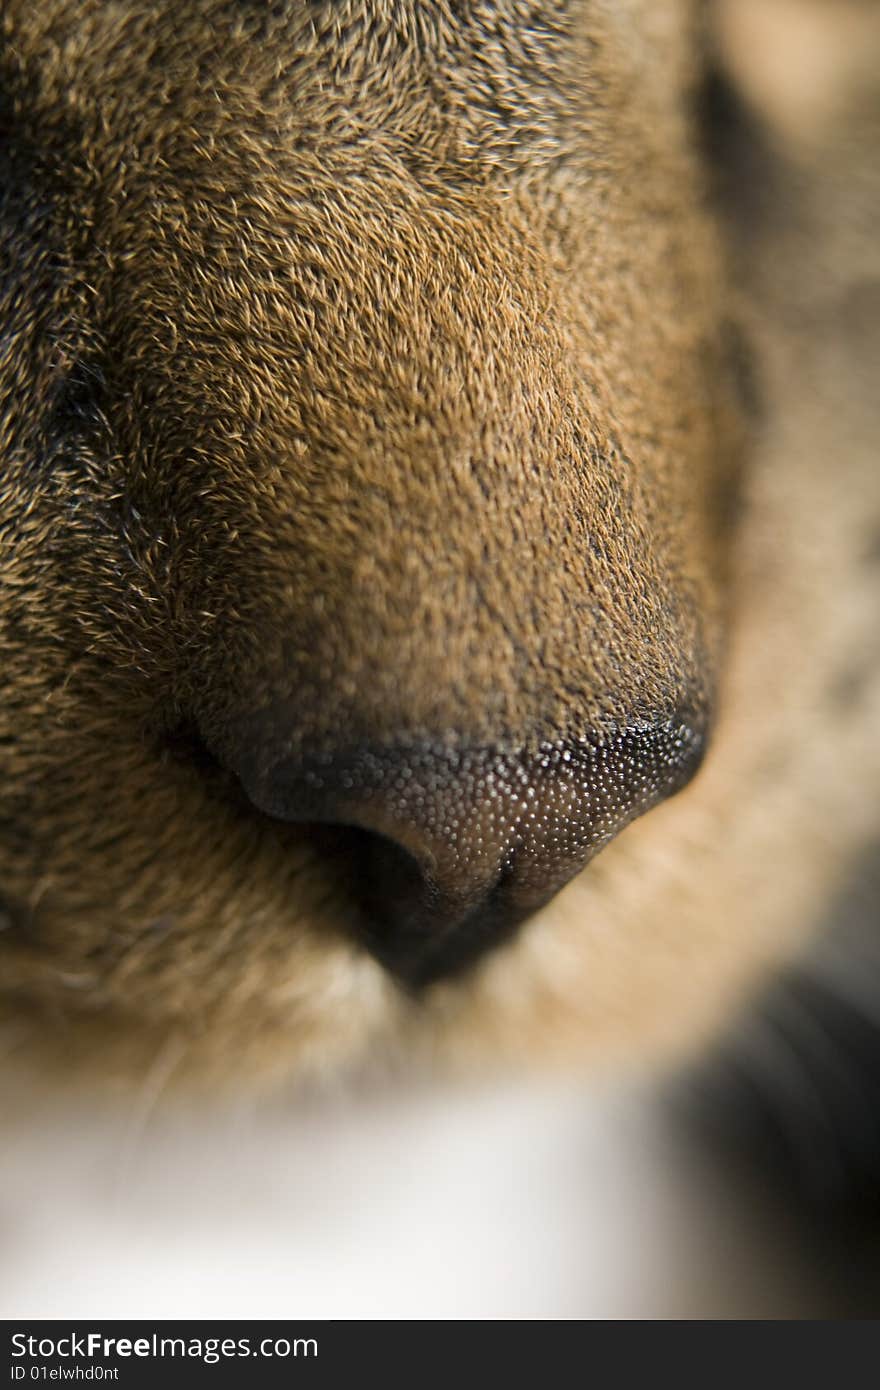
(871, 553)
(794, 1090)
(851, 684)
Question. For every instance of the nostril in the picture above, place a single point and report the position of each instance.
(419, 930)
(402, 916)
(416, 930)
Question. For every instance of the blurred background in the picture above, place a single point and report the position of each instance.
(508, 1200)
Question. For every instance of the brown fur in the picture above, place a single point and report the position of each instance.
(378, 353)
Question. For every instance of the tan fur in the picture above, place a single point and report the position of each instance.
(377, 353)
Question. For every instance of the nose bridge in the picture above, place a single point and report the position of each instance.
(414, 603)
(489, 579)
(432, 528)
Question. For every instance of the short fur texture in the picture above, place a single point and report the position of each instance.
(376, 359)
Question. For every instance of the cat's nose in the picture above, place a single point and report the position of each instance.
(449, 849)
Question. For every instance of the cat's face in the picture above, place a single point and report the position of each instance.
(368, 449)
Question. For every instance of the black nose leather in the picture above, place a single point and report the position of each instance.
(450, 849)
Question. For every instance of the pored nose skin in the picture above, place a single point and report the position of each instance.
(453, 848)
